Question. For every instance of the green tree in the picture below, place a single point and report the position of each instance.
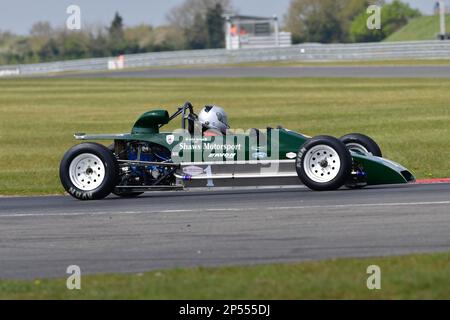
(140, 38)
(322, 20)
(99, 45)
(323, 26)
(41, 29)
(75, 45)
(40, 35)
(393, 17)
(197, 35)
(191, 20)
(117, 43)
(21, 51)
(350, 10)
(116, 28)
(50, 51)
(167, 38)
(215, 27)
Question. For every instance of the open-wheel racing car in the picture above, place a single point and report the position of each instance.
(147, 159)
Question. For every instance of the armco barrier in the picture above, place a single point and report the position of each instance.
(302, 52)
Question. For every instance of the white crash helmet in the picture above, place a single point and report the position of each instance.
(215, 118)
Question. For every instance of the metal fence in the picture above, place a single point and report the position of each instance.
(303, 52)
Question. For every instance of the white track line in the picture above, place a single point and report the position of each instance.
(200, 210)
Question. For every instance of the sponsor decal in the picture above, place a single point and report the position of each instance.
(223, 148)
(211, 146)
(170, 138)
(193, 171)
(196, 139)
(258, 148)
(222, 155)
(80, 194)
(259, 155)
(300, 157)
(291, 155)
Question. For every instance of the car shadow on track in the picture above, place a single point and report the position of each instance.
(211, 191)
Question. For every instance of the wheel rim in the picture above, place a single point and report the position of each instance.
(357, 147)
(87, 172)
(322, 163)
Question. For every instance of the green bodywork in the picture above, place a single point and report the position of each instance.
(147, 129)
(150, 122)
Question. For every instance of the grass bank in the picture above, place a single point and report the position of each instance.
(421, 28)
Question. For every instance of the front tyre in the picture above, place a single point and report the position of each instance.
(361, 143)
(324, 163)
(89, 171)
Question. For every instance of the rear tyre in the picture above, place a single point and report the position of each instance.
(361, 143)
(324, 163)
(89, 171)
(123, 193)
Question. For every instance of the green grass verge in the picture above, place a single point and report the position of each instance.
(421, 28)
(407, 277)
(408, 117)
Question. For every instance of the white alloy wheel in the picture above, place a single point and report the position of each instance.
(322, 163)
(87, 172)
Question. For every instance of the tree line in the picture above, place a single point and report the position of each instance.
(199, 24)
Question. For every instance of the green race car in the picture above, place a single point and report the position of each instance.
(148, 159)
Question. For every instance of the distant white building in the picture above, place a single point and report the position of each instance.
(254, 32)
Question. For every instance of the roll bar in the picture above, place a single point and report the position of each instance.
(187, 110)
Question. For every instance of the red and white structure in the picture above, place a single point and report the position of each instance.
(117, 63)
(243, 32)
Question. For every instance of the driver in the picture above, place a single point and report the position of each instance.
(214, 121)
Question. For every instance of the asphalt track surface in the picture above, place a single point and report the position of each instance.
(276, 72)
(42, 236)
